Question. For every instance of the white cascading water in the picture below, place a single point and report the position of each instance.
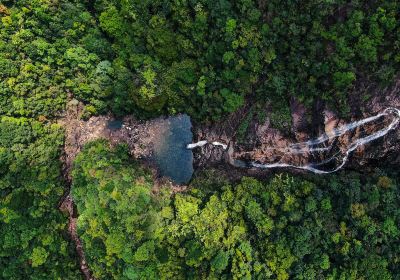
(197, 144)
(224, 146)
(204, 142)
(310, 145)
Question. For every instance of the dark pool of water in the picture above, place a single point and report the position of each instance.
(170, 154)
(114, 124)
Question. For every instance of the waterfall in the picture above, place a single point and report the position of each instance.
(310, 146)
(224, 146)
(204, 142)
(197, 144)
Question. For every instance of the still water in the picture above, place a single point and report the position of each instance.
(114, 124)
(171, 156)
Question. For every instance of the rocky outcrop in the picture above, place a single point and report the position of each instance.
(141, 136)
(265, 144)
(387, 149)
(223, 132)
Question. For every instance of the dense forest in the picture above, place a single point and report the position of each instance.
(32, 230)
(343, 226)
(207, 59)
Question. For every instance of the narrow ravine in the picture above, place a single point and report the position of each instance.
(68, 206)
(317, 145)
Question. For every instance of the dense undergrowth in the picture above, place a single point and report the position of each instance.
(335, 227)
(33, 239)
(201, 57)
(208, 59)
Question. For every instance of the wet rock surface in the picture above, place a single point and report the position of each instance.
(386, 149)
(223, 132)
(265, 144)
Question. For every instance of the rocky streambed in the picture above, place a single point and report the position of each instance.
(266, 145)
(162, 142)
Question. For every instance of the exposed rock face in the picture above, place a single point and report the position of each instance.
(388, 148)
(140, 136)
(263, 143)
(300, 125)
(223, 132)
(266, 144)
(331, 121)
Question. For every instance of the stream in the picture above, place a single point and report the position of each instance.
(314, 146)
(170, 141)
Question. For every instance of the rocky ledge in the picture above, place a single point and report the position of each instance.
(266, 144)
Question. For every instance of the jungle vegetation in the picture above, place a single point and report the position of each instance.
(342, 226)
(33, 239)
(202, 57)
(206, 58)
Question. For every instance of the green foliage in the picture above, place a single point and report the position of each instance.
(241, 132)
(39, 256)
(208, 59)
(236, 53)
(155, 57)
(343, 79)
(280, 116)
(118, 219)
(286, 228)
(232, 102)
(32, 230)
(49, 51)
(111, 22)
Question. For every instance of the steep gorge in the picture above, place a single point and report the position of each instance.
(310, 145)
